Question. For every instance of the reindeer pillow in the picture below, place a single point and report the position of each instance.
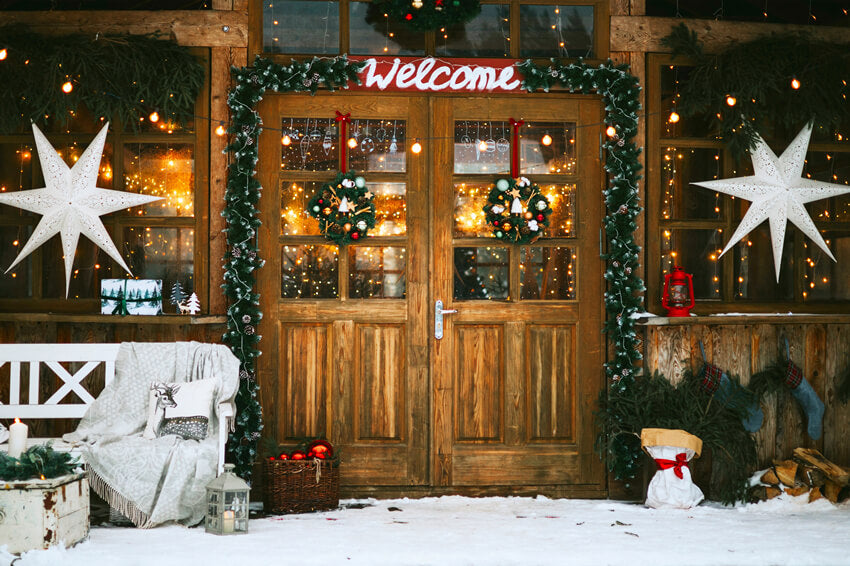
(180, 408)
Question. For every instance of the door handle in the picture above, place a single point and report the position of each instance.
(439, 311)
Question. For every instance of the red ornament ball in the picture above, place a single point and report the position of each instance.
(283, 456)
(408, 17)
(355, 235)
(540, 218)
(322, 448)
(271, 458)
(297, 455)
(495, 223)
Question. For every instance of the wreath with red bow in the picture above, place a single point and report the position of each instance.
(517, 211)
(428, 15)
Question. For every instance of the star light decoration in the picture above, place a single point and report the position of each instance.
(71, 203)
(778, 193)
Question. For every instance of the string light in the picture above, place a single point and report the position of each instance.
(674, 117)
(286, 140)
(154, 117)
(3, 54)
(416, 147)
(731, 100)
(67, 87)
(611, 131)
(482, 146)
(795, 84)
(352, 143)
(547, 140)
(220, 130)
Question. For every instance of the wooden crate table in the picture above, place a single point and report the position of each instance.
(37, 514)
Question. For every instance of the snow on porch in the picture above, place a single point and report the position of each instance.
(450, 531)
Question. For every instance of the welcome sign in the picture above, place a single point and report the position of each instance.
(400, 74)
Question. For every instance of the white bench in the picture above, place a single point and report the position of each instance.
(50, 355)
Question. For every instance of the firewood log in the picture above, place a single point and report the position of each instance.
(786, 472)
(796, 491)
(769, 477)
(814, 458)
(815, 494)
(831, 490)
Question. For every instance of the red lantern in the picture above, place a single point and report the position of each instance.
(678, 297)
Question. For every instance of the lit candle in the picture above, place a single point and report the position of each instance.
(227, 521)
(17, 438)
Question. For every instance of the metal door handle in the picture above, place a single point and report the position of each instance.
(439, 311)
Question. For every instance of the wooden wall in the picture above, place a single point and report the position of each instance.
(744, 345)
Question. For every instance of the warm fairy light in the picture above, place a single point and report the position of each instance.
(674, 117)
(220, 130)
(611, 131)
(547, 140)
(795, 84)
(3, 54)
(15, 243)
(67, 87)
(731, 100)
(352, 143)
(482, 146)
(286, 140)
(416, 147)
(154, 117)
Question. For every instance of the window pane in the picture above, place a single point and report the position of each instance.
(309, 272)
(755, 274)
(17, 283)
(680, 199)
(309, 144)
(562, 220)
(162, 170)
(548, 148)
(831, 167)
(547, 273)
(696, 251)
(556, 31)
(469, 216)
(15, 171)
(376, 273)
(482, 147)
(379, 145)
(90, 264)
(161, 253)
(481, 273)
(486, 35)
(824, 279)
(300, 26)
(294, 218)
(373, 33)
(390, 209)
(700, 126)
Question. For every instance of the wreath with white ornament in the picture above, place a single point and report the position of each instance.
(344, 208)
(428, 15)
(517, 211)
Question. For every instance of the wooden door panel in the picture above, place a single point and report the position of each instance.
(551, 378)
(380, 379)
(492, 466)
(304, 369)
(478, 382)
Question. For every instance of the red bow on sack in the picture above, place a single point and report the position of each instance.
(680, 461)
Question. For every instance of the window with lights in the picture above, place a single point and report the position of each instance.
(689, 226)
(512, 29)
(157, 241)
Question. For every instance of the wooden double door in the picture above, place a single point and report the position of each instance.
(503, 400)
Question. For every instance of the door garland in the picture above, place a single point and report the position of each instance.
(620, 91)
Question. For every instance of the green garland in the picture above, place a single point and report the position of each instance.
(118, 77)
(240, 212)
(529, 224)
(39, 460)
(758, 75)
(344, 227)
(430, 14)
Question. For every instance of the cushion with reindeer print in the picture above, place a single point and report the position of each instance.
(182, 409)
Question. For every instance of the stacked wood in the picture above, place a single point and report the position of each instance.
(809, 472)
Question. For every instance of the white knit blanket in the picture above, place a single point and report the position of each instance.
(164, 479)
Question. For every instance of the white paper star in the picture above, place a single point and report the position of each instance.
(71, 203)
(778, 193)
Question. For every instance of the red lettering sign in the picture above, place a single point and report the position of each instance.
(396, 74)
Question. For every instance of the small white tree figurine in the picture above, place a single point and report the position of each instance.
(193, 305)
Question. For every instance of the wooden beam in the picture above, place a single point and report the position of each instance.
(193, 28)
(644, 33)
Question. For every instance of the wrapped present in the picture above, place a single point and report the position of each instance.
(672, 451)
(131, 296)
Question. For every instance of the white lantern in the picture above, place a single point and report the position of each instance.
(227, 504)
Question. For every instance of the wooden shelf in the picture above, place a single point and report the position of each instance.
(761, 318)
(170, 319)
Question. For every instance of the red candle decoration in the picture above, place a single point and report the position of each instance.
(515, 147)
(344, 120)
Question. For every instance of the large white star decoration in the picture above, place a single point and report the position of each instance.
(778, 193)
(71, 203)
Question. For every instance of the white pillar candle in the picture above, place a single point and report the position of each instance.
(227, 521)
(17, 438)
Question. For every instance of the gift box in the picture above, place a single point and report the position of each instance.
(131, 296)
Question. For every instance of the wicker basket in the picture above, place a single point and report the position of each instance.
(300, 486)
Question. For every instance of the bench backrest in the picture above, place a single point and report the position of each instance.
(51, 355)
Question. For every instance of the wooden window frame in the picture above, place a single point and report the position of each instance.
(731, 215)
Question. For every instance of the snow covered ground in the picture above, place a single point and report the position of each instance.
(450, 531)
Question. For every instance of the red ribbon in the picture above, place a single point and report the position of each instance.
(680, 462)
(344, 120)
(515, 147)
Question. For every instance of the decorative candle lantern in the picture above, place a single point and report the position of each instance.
(227, 504)
(678, 297)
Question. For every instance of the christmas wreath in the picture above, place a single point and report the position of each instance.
(427, 15)
(344, 208)
(517, 210)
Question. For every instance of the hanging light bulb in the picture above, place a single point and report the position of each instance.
(220, 130)
(546, 140)
(482, 146)
(795, 84)
(154, 117)
(674, 117)
(417, 4)
(352, 143)
(67, 87)
(285, 140)
(610, 131)
(3, 54)
(731, 100)
(416, 147)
